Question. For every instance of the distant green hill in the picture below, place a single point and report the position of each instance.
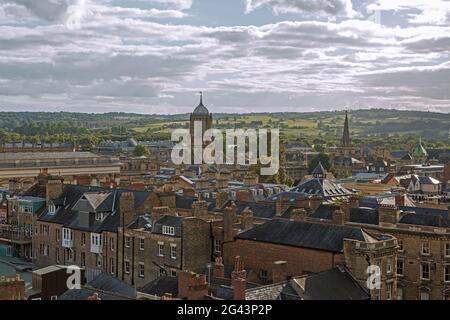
(375, 126)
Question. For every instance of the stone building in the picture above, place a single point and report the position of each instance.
(80, 225)
(423, 258)
(163, 244)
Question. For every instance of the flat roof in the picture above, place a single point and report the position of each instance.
(45, 155)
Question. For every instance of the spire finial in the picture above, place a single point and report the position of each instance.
(201, 97)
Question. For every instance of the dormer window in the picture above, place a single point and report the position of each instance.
(99, 216)
(52, 209)
(167, 230)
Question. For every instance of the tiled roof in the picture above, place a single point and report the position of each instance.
(161, 286)
(324, 188)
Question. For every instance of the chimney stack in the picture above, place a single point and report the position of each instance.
(298, 214)
(54, 188)
(127, 212)
(229, 219)
(192, 286)
(200, 208)
(221, 199)
(239, 280)
(338, 217)
(247, 219)
(219, 269)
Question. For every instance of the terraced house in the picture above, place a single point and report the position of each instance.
(80, 226)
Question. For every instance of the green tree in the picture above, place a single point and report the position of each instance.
(141, 150)
(324, 159)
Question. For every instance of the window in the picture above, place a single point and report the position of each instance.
(52, 209)
(57, 255)
(141, 244)
(98, 260)
(389, 291)
(112, 244)
(168, 230)
(112, 267)
(160, 249)
(173, 251)
(127, 266)
(447, 273)
(96, 240)
(400, 245)
(425, 271)
(83, 259)
(54, 298)
(389, 266)
(69, 255)
(58, 235)
(173, 273)
(141, 270)
(400, 267)
(425, 248)
(127, 242)
(447, 249)
(217, 246)
(424, 295)
(161, 272)
(263, 275)
(399, 293)
(67, 234)
(83, 239)
(99, 216)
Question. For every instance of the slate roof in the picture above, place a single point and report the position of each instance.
(161, 286)
(318, 236)
(68, 216)
(107, 287)
(334, 284)
(322, 187)
(425, 220)
(259, 209)
(324, 211)
(364, 215)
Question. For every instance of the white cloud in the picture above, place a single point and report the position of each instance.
(332, 7)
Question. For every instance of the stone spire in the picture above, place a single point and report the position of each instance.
(346, 135)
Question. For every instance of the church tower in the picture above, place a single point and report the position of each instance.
(200, 115)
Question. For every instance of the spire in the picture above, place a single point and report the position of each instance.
(201, 98)
(346, 135)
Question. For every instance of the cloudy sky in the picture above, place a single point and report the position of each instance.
(153, 56)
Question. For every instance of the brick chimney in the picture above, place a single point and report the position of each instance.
(202, 183)
(243, 196)
(229, 219)
(221, 183)
(354, 202)
(250, 180)
(189, 193)
(221, 199)
(247, 219)
(279, 271)
(219, 269)
(54, 188)
(239, 280)
(388, 214)
(127, 212)
(200, 209)
(167, 197)
(282, 204)
(400, 200)
(158, 212)
(338, 217)
(298, 214)
(192, 286)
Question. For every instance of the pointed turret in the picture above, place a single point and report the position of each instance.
(319, 172)
(346, 142)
